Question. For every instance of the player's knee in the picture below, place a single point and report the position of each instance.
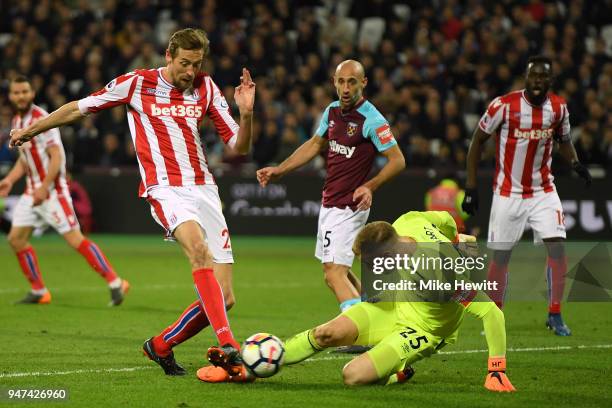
(74, 239)
(332, 274)
(16, 242)
(555, 248)
(329, 279)
(199, 255)
(327, 335)
(353, 375)
(501, 257)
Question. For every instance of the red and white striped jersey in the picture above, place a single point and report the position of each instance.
(164, 122)
(524, 142)
(34, 153)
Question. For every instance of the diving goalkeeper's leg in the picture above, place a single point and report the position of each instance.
(340, 331)
(390, 360)
(364, 323)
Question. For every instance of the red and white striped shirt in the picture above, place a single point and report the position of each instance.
(164, 122)
(524, 142)
(34, 153)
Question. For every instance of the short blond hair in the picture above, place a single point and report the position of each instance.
(188, 39)
(377, 232)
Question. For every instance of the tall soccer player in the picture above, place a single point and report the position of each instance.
(403, 332)
(46, 200)
(354, 131)
(525, 123)
(165, 108)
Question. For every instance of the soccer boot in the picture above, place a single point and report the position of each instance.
(214, 374)
(555, 323)
(168, 363)
(401, 376)
(404, 375)
(34, 299)
(226, 357)
(118, 294)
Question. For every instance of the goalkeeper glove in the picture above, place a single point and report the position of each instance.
(466, 238)
(470, 201)
(467, 245)
(583, 172)
(496, 379)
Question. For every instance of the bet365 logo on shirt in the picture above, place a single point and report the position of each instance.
(183, 111)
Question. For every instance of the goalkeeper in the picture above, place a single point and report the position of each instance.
(405, 332)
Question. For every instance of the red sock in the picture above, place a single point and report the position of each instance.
(498, 273)
(96, 259)
(556, 269)
(211, 298)
(29, 266)
(190, 323)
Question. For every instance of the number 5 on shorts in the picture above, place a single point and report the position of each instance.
(326, 238)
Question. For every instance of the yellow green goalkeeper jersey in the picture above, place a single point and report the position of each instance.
(443, 318)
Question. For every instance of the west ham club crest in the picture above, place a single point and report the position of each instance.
(351, 128)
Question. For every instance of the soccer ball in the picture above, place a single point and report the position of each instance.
(263, 354)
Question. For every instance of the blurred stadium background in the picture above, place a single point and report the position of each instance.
(432, 69)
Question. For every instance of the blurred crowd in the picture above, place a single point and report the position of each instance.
(432, 66)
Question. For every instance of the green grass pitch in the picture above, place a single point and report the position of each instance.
(80, 344)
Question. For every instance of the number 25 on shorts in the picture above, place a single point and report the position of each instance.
(415, 342)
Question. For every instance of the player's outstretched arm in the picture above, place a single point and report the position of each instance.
(495, 331)
(302, 155)
(470, 201)
(64, 115)
(17, 172)
(244, 95)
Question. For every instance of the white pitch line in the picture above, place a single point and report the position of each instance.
(255, 285)
(509, 350)
(337, 357)
(53, 373)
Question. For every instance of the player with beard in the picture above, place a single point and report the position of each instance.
(46, 200)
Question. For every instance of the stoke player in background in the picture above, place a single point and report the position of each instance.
(525, 123)
(46, 200)
(165, 108)
(354, 131)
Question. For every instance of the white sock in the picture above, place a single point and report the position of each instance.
(115, 284)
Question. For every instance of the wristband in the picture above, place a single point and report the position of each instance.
(497, 364)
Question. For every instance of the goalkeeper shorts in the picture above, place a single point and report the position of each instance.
(395, 345)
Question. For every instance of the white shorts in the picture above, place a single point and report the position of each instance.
(56, 212)
(510, 215)
(336, 233)
(171, 206)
